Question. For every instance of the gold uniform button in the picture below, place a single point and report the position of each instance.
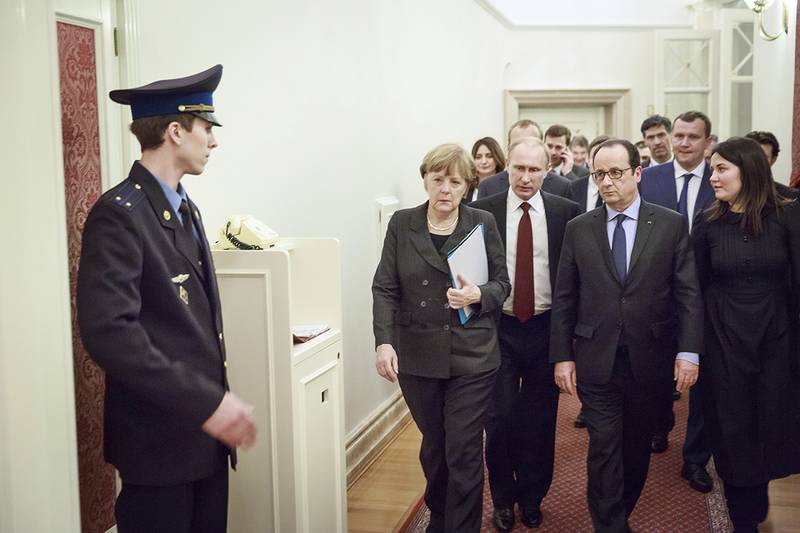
(167, 215)
(225, 364)
(118, 198)
(137, 186)
(127, 204)
(220, 336)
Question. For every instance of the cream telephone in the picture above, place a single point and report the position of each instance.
(245, 232)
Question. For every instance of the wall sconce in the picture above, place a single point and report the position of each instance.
(759, 7)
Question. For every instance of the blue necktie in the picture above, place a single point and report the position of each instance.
(618, 248)
(683, 202)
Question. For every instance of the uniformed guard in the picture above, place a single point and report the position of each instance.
(149, 315)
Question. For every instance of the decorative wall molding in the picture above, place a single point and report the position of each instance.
(367, 440)
(617, 104)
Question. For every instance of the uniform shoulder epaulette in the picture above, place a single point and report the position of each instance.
(127, 194)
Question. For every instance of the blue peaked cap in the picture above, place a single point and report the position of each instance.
(192, 94)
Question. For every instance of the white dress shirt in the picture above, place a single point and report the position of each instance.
(694, 186)
(542, 298)
(591, 194)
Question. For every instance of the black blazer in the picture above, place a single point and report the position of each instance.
(409, 293)
(552, 183)
(579, 190)
(558, 211)
(659, 307)
(164, 358)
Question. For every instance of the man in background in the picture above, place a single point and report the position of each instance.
(771, 147)
(558, 139)
(683, 185)
(656, 131)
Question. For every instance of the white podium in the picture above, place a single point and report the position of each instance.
(294, 479)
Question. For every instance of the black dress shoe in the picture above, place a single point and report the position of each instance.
(503, 519)
(659, 444)
(531, 516)
(580, 422)
(676, 395)
(697, 477)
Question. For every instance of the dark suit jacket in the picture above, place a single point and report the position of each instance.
(553, 183)
(409, 298)
(163, 358)
(579, 190)
(577, 172)
(657, 186)
(558, 211)
(659, 307)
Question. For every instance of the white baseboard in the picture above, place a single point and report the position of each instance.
(366, 442)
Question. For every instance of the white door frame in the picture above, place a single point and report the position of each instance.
(617, 103)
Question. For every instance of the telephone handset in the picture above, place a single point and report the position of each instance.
(245, 232)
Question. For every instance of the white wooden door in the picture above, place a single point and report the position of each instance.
(588, 121)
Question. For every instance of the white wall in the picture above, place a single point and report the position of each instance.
(584, 59)
(773, 86)
(325, 107)
(38, 462)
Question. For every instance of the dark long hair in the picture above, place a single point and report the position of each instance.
(758, 189)
(495, 149)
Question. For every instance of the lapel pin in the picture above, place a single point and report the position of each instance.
(167, 215)
(183, 294)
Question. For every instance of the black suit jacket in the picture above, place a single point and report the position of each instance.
(558, 211)
(409, 298)
(553, 183)
(659, 307)
(579, 190)
(164, 359)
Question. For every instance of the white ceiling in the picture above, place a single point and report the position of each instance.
(605, 13)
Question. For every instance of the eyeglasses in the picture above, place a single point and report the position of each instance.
(614, 174)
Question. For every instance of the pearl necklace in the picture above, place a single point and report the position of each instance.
(450, 226)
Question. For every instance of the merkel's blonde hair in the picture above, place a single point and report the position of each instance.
(449, 157)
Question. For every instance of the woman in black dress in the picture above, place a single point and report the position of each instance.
(747, 249)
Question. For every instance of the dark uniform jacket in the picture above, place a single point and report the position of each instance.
(657, 312)
(410, 309)
(156, 332)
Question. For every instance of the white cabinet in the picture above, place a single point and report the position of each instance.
(293, 480)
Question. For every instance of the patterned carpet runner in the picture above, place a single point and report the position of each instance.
(667, 503)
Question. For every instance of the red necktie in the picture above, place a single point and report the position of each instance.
(523, 274)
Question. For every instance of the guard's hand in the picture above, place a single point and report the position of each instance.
(468, 294)
(685, 374)
(232, 422)
(386, 362)
(565, 377)
(567, 161)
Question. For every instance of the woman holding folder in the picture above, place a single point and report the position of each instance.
(445, 368)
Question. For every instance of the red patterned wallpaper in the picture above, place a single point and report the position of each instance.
(795, 179)
(83, 186)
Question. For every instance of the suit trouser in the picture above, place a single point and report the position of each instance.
(521, 432)
(620, 417)
(197, 507)
(695, 446)
(451, 414)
